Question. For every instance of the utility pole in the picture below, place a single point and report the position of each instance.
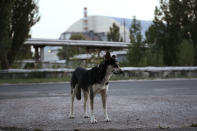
(124, 30)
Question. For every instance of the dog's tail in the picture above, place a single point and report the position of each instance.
(74, 85)
(78, 93)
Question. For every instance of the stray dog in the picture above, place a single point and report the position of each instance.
(93, 81)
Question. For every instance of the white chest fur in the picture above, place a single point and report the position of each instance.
(97, 88)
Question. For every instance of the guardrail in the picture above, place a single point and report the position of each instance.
(129, 73)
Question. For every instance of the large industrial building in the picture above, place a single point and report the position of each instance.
(94, 28)
(97, 27)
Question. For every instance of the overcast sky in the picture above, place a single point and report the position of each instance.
(58, 15)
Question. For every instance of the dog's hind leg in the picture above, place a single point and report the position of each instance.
(86, 94)
(104, 101)
(73, 94)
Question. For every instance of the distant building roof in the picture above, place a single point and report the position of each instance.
(101, 24)
(144, 23)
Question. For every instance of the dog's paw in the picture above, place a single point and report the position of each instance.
(71, 116)
(85, 116)
(93, 120)
(107, 119)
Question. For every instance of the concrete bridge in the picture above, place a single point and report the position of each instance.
(39, 45)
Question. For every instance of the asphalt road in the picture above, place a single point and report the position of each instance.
(131, 104)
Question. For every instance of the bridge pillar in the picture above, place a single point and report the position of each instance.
(36, 54)
(42, 54)
(39, 53)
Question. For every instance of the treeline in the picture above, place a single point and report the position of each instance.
(16, 19)
(171, 40)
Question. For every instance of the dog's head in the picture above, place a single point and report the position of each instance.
(112, 63)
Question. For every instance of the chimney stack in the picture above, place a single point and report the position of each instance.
(85, 20)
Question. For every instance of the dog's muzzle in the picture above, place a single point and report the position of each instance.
(118, 71)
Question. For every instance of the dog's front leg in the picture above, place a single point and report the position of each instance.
(104, 101)
(92, 117)
(85, 103)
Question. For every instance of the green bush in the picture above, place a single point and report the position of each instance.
(139, 55)
(135, 55)
(29, 66)
(154, 57)
(185, 53)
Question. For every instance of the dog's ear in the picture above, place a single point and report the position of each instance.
(107, 55)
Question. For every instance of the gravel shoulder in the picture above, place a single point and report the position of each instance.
(132, 108)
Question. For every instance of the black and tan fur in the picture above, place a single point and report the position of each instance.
(91, 82)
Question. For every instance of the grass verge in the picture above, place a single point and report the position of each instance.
(33, 80)
(64, 79)
(67, 79)
(193, 125)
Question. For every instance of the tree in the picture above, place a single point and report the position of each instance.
(136, 50)
(175, 20)
(24, 53)
(16, 17)
(5, 14)
(66, 52)
(165, 32)
(189, 23)
(186, 53)
(114, 33)
(153, 56)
